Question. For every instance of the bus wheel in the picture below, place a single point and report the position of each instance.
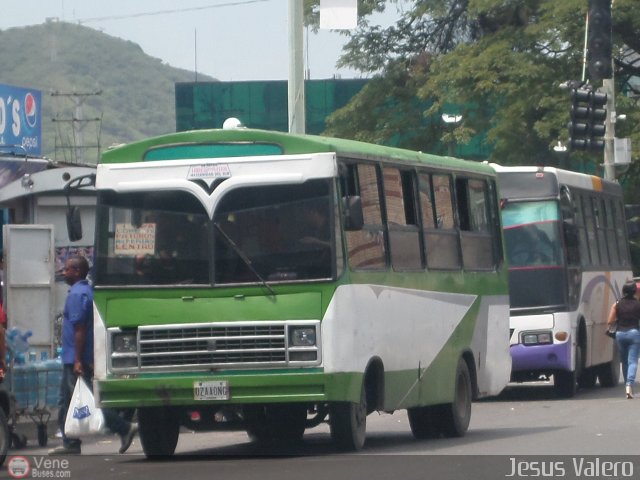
(588, 378)
(159, 431)
(281, 423)
(565, 384)
(255, 423)
(422, 422)
(348, 423)
(609, 373)
(453, 418)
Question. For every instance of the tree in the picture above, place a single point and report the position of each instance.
(500, 62)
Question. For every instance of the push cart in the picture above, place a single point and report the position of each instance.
(34, 388)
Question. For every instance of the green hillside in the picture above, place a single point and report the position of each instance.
(137, 91)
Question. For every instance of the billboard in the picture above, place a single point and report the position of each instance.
(20, 120)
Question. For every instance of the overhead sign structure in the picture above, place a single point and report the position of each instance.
(20, 120)
(338, 14)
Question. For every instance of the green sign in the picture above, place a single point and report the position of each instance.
(259, 104)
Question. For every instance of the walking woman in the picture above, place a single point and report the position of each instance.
(626, 312)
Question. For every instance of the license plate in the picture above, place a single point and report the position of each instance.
(217, 390)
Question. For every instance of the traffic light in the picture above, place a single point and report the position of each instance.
(579, 124)
(599, 40)
(588, 116)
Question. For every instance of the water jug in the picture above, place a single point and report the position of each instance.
(17, 341)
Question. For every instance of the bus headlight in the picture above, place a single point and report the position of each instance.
(302, 336)
(124, 342)
(124, 349)
(536, 338)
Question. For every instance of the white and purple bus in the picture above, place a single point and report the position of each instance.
(568, 259)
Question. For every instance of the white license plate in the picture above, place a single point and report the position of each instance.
(217, 390)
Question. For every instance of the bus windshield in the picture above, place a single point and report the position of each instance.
(258, 234)
(533, 244)
(275, 233)
(532, 233)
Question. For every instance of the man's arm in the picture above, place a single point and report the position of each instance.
(80, 336)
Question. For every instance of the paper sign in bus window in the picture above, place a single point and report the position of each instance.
(130, 240)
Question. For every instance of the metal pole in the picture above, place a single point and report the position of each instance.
(296, 68)
(609, 134)
(584, 50)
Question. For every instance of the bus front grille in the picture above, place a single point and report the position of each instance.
(211, 346)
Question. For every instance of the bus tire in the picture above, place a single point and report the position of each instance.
(348, 423)
(453, 418)
(422, 422)
(588, 378)
(159, 428)
(565, 384)
(255, 423)
(609, 373)
(278, 423)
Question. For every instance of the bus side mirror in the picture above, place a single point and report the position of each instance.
(74, 224)
(353, 217)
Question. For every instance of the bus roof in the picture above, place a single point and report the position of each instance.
(289, 144)
(563, 177)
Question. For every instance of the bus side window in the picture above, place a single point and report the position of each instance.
(570, 230)
(476, 234)
(612, 243)
(404, 236)
(572, 241)
(462, 204)
(441, 241)
(366, 247)
(567, 208)
(351, 201)
(581, 226)
(621, 236)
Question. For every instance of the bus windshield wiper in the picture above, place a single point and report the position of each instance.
(244, 258)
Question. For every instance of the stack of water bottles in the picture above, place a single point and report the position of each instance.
(34, 383)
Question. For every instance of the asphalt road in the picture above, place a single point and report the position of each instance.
(526, 431)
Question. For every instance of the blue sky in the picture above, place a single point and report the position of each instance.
(234, 39)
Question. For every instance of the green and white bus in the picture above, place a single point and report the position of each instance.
(272, 281)
(568, 259)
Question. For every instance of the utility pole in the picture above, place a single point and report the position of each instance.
(296, 68)
(610, 134)
(600, 63)
(76, 145)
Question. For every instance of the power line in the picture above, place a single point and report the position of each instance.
(166, 12)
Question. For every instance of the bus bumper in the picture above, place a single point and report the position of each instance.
(541, 358)
(244, 388)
